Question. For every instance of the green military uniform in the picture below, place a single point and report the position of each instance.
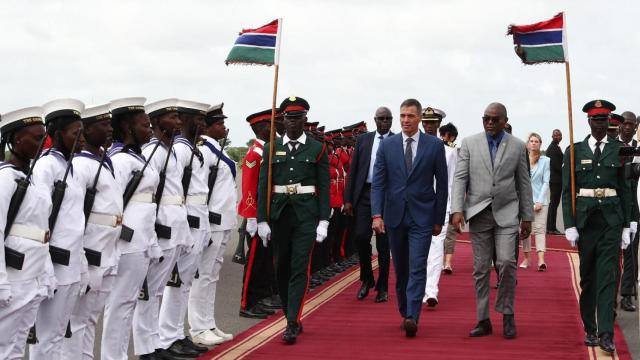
(294, 216)
(600, 219)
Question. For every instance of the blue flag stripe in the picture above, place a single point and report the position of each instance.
(539, 38)
(257, 40)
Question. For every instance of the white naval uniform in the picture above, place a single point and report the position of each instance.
(36, 281)
(174, 300)
(54, 314)
(146, 337)
(139, 215)
(436, 251)
(223, 201)
(103, 238)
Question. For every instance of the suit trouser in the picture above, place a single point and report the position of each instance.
(85, 316)
(630, 269)
(51, 323)
(146, 333)
(434, 261)
(599, 251)
(410, 245)
(256, 284)
(362, 233)
(293, 240)
(450, 240)
(202, 297)
(555, 190)
(486, 238)
(120, 305)
(175, 299)
(336, 234)
(17, 318)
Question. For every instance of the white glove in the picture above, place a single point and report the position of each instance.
(572, 235)
(264, 232)
(252, 226)
(5, 297)
(633, 228)
(626, 238)
(321, 231)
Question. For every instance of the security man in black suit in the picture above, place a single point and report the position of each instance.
(357, 203)
(554, 153)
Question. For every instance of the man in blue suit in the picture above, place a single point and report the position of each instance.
(403, 191)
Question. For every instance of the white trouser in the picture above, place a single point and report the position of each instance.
(85, 317)
(434, 261)
(174, 300)
(146, 338)
(17, 318)
(202, 298)
(51, 323)
(118, 310)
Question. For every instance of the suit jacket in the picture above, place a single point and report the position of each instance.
(395, 189)
(554, 153)
(505, 185)
(359, 169)
(540, 181)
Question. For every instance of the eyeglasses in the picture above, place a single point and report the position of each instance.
(495, 119)
(383, 118)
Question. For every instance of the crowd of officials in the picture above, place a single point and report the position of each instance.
(126, 209)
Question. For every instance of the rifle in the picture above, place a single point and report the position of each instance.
(133, 184)
(188, 170)
(239, 254)
(213, 171)
(90, 196)
(60, 186)
(14, 258)
(163, 173)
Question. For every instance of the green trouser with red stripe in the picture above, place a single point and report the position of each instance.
(599, 250)
(293, 240)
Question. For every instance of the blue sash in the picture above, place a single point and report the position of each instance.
(223, 157)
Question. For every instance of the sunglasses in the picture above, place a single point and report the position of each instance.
(495, 119)
(383, 118)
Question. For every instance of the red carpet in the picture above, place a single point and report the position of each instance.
(338, 326)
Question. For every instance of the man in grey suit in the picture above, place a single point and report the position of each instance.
(492, 191)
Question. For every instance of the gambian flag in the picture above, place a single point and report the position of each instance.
(543, 42)
(257, 46)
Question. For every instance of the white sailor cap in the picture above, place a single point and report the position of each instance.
(161, 107)
(192, 107)
(97, 113)
(214, 113)
(17, 119)
(124, 105)
(433, 114)
(61, 112)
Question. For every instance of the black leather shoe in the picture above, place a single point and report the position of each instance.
(591, 339)
(258, 308)
(606, 343)
(178, 348)
(270, 303)
(410, 327)
(509, 327)
(162, 354)
(252, 315)
(188, 343)
(626, 304)
(432, 302)
(151, 356)
(291, 332)
(382, 296)
(364, 290)
(483, 328)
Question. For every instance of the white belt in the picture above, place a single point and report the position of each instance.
(29, 232)
(105, 219)
(142, 197)
(597, 193)
(197, 199)
(172, 200)
(294, 189)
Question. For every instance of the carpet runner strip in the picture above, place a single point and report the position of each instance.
(338, 326)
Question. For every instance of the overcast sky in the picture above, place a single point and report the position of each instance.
(345, 57)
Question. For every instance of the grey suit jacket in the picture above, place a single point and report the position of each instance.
(506, 186)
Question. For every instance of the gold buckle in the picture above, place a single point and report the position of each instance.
(291, 189)
(118, 220)
(599, 193)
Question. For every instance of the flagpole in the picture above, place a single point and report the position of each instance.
(272, 134)
(571, 150)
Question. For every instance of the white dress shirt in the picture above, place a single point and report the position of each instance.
(592, 143)
(374, 151)
(414, 144)
(301, 140)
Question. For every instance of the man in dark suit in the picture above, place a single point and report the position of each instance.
(357, 203)
(554, 152)
(403, 187)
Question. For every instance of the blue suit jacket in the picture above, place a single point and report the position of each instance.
(394, 189)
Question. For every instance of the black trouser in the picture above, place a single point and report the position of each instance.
(630, 269)
(556, 191)
(362, 235)
(257, 276)
(336, 235)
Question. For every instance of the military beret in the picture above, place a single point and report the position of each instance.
(294, 106)
(598, 108)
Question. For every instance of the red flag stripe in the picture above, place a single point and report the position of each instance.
(270, 28)
(555, 23)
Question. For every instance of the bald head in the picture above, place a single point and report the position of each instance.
(494, 119)
(497, 108)
(629, 116)
(383, 120)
